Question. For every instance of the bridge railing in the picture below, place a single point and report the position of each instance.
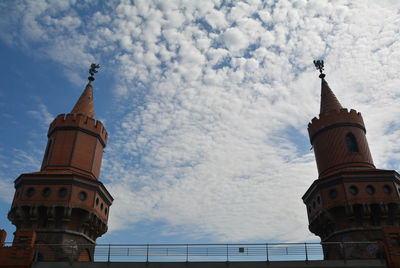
(210, 252)
(213, 252)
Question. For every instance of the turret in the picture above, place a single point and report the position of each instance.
(351, 201)
(338, 136)
(64, 203)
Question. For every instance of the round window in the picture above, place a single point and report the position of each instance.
(333, 193)
(387, 189)
(101, 206)
(82, 195)
(105, 211)
(46, 192)
(97, 201)
(353, 190)
(370, 189)
(62, 192)
(30, 192)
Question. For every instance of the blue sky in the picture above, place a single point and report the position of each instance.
(206, 104)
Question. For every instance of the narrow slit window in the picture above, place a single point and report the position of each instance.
(351, 143)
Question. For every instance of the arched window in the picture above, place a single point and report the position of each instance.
(351, 143)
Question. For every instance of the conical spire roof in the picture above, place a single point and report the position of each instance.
(85, 103)
(329, 102)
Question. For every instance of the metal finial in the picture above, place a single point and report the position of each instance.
(319, 64)
(93, 70)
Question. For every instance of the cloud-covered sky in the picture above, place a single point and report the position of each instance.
(206, 104)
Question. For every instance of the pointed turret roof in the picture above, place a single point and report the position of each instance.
(329, 102)
(85, 103)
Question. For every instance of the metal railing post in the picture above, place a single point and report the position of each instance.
(266, 248)
(305, 247)
(36, 253)
(187, 253)
(344, 251)
(227, 252)
(147, 253)
(72, 253)
(109, 251)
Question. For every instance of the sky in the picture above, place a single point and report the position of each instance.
(206, 104)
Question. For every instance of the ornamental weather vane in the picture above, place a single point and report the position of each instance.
(93, 70)
(319, 64)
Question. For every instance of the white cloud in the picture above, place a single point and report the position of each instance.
(210, 131)
(235, 40)
(25, 160)
(6, 190)
(216, 19)
(42, 115)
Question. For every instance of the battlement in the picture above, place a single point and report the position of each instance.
(79, 121)
(342, 116)
(22, 251)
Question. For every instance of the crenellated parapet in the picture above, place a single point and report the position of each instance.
(76, 143)
(79, 121)
(339, 141)
(22, 251)
(333, 119)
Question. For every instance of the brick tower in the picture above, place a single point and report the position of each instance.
(351, 201)
(65, 203)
